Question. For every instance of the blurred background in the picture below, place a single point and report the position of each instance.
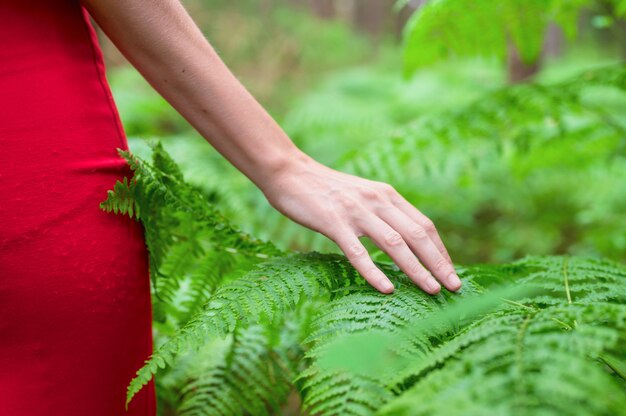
(507, 127)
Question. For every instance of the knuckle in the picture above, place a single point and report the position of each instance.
(387, 189)
(348, 204)
(418, 233)
(415, 268)
(393, 238)
(396, 199)
(429, 226)
(386, 207)
(370, 271)
(355, 251)
(371, 194)
(441, 265)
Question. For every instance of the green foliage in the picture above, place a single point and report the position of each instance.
(332, 391)
(192, 247)
(540, 354)
(360, 106)
(527, 169)
(276, 52)
(261, 323)
(243, 327)
(448, 28)
(254, 378)
(262, 295)
(503, 171)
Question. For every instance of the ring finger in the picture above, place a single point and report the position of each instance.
(392, 243)
(422, 246)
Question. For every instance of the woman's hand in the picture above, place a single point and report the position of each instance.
(162, 41)
(345, 207)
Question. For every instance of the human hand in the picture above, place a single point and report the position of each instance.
(341, 206)
(344, 207)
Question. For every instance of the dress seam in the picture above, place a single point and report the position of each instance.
(97, 61)
(99, 66)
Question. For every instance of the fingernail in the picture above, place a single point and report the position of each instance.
(386, 285)
(432, 285)
(453, 280)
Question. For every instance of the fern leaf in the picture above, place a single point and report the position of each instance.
(262, 295)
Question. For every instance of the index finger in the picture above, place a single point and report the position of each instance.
(358, 256)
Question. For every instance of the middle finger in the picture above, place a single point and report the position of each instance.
(392, 243)
(423, 246)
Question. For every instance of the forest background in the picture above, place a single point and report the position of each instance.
(504, 122)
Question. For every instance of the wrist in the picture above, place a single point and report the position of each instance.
(284, 168)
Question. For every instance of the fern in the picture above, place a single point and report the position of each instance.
(510, 155)
(523, 362)
(538, 354)
(362, 320)
(254, 378)
(262, 295)
(241, 325)
(288, 314)
(445, 28)
(184, 233)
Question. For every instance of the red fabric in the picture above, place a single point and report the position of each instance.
(75, 314)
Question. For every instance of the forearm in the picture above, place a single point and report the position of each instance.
(160, 39)
(164, 44)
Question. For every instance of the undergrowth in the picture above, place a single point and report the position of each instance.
(444, 29)
(242, 325)
(527, 169)
(531, 169)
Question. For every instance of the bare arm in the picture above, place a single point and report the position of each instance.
(161, 40)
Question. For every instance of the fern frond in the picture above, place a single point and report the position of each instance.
(262, 295)
(540, 354)
(254, 379)
(121, 199)
(534, 353)
(362, 311)
(505, 162)
(181, 225)
(529, 365)
(340, 393)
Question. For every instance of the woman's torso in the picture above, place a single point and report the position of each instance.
(75, 314)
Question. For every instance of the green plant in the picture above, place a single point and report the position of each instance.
(243, 327)
(558, 351)
(447, 28)
(275, 51)
(280, 314)
(503, 171)
(192, 247)
(530, 169)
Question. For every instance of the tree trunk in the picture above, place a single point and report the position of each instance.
(370, 16)
(402, 17)
(322, 8)
(553, 44)
(552, 47)
(518, 70)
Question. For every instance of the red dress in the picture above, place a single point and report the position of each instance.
(75, 313)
